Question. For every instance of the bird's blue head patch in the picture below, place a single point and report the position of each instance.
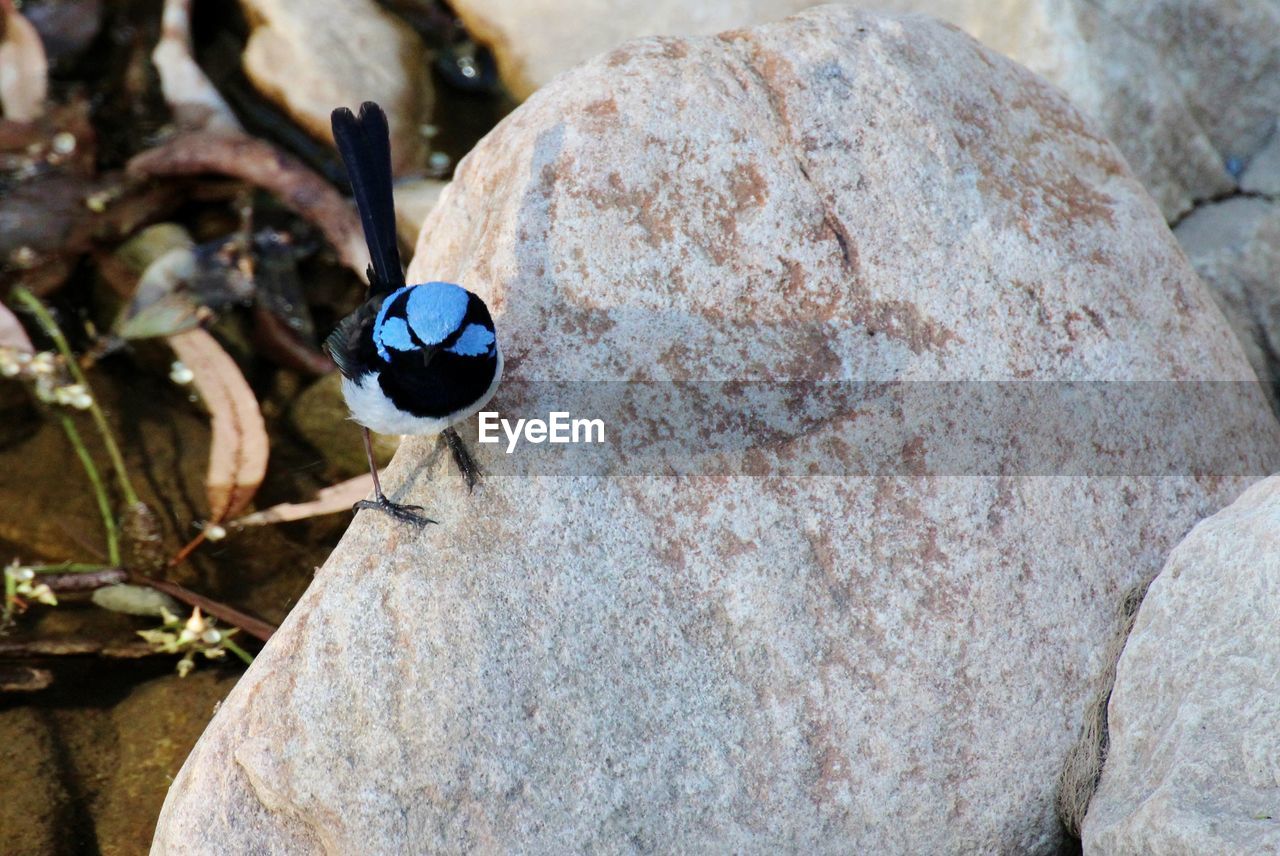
(419, 316)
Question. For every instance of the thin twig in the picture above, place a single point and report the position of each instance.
(255, 627)
(109, 521)
(85, 580)
(54, 332)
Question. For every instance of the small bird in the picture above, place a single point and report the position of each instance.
(415, 359)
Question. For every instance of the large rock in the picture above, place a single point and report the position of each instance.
(746, 662)
(1235, 247)
(312, 55)
(1181, 86)
(1193, 766)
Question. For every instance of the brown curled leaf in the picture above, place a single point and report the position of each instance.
(24, 69)
(238, 450)
(272, 337)
(262, 165)
(339, 497)
(192, 98)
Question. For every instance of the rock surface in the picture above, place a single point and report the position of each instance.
(1193, 764)
(1263, 172)
(312, 55)
(750, 663)
(1180, 86)
(1235, 247)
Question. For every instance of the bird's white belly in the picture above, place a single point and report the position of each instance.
(371, 408)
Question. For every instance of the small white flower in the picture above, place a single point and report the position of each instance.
(44, 594)
(43, 363)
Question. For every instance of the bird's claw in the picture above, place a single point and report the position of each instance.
(407, 513)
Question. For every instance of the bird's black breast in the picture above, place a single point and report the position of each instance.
(425, 367)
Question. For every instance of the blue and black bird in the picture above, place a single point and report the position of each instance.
(415, 359)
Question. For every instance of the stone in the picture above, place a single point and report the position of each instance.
(309, 56)
(1235, 247)
(746, 660)
(1262, 175)
(1181, 87)
(1192, 766)
(321, 417)
(34, 810)
(155, 728)
(414, 200)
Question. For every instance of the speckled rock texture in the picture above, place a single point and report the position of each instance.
(1181, 86)
(1194, 764)
(1235, 247)
(742, 663)
(312, 55)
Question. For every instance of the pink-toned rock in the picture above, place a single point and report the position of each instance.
(310, 56)
(1192, 766)
(750, 661)
(1181, 86)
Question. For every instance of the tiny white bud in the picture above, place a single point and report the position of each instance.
(24, 575)
(64, 142)
(45, 390)
(212, 636)
(180, 374)
(214, 532)
(83, 401)
(195, 624)
(43, 363)
(44, 594)
(24, 257)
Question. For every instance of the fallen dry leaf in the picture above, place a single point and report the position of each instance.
(262, 165)
(340, 497)
(238, 451)
(12, 335)
(194, 100)
(24, 69)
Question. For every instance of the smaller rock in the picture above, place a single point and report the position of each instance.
(310, 56)
(1262, 175)
(1235, 247)
(414, 200)
(150, 732)
(34, 798)
(321, 416)
(1193, 763)
(135, 600)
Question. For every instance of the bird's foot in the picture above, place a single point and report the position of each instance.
(466, 464)
(406, 513)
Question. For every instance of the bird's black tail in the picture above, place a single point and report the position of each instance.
(365, 145)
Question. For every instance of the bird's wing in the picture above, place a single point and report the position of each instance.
(365, 145)
(351, 342)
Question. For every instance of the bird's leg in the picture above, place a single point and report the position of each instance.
(407, 513)
(466, 464)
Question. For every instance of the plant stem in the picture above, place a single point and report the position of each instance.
(52, 330)
(99, 489)
(237, 650)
